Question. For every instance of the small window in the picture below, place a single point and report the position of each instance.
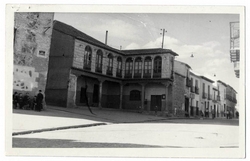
(135, 95)
(41, 53)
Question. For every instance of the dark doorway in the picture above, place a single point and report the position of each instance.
(83, 95)
(96, 93)
(155, 102)
(186, 104)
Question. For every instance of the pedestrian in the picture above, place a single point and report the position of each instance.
(39, 101)
(20, 100)
(156, 109)
(26, 101)
(227, 114)
(237, 114)
(206, 113)
(15, 100)
(213, 114)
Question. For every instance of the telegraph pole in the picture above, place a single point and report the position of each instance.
(163, 34)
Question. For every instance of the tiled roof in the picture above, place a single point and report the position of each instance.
(69, 30)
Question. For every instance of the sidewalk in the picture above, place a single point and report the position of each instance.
(55, 118)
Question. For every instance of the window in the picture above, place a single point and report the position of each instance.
(119, 67)
(135, 95)
(128, 68)
(157, 67)
(147, 67)
(138, 68)
(99, 56)
(110, 65)
(87, 57)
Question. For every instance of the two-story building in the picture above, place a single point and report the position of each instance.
(206, 96)
(181, 88)
(195, 93)
(83, 69)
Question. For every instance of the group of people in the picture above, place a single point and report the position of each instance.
(26, 102)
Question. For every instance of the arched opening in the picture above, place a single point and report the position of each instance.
(110, 65)
(157, 67)
(119, 67)
(128, 68)
(87, 58)
(99, 56)
(147, 67)
(138, 68)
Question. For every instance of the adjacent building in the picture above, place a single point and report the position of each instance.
(32, 35)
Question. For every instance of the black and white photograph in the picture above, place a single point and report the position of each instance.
(130, 81)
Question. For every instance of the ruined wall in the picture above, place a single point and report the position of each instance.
(32, 36)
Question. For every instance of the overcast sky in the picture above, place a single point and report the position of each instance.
(206, 36)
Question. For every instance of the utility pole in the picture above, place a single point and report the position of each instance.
(163, 34)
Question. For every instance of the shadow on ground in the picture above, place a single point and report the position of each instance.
(58, 143)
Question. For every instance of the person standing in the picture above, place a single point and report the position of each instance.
(39, 101)
(15, 100)
(20, 100)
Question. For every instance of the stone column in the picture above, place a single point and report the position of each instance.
(72, 85)
(142, 95)
(152, 67)
(142, 67)
(133, 67)
(121, 94)
(100, 93)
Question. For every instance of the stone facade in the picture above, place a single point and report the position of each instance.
(32, 38)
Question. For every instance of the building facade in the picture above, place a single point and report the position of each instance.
(32, 35)
(195, 94)
(84, 70)
(206, 96)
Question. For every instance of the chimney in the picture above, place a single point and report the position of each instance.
(106, 38)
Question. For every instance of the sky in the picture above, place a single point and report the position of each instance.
(206, 36)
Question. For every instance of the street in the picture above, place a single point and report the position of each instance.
(161, 133)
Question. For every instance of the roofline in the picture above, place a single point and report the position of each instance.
(158, 52)
(207, 79)
(184, 63)
(222, 83)
(195, 74)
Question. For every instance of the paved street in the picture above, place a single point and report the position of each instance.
(140, 130)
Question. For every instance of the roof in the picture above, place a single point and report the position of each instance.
(149, 51)
(183, 63)
(69, 30)
(194, 73)
(219, 81)
(207, 79)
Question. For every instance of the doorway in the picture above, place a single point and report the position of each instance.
(96, 93)
(83, 95)
(155, 102)
(186, 104)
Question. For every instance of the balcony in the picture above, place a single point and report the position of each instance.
(119, 73)
(98, 68)
(137, 75)
(188, 82)
(157, 75)
(109, 70)
(192, 89)
(197, 90)
(209, 97)
(128, 75)
(204, 95)
(87, 66)
(218, 98)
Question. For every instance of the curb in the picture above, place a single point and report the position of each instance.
(57, 128)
